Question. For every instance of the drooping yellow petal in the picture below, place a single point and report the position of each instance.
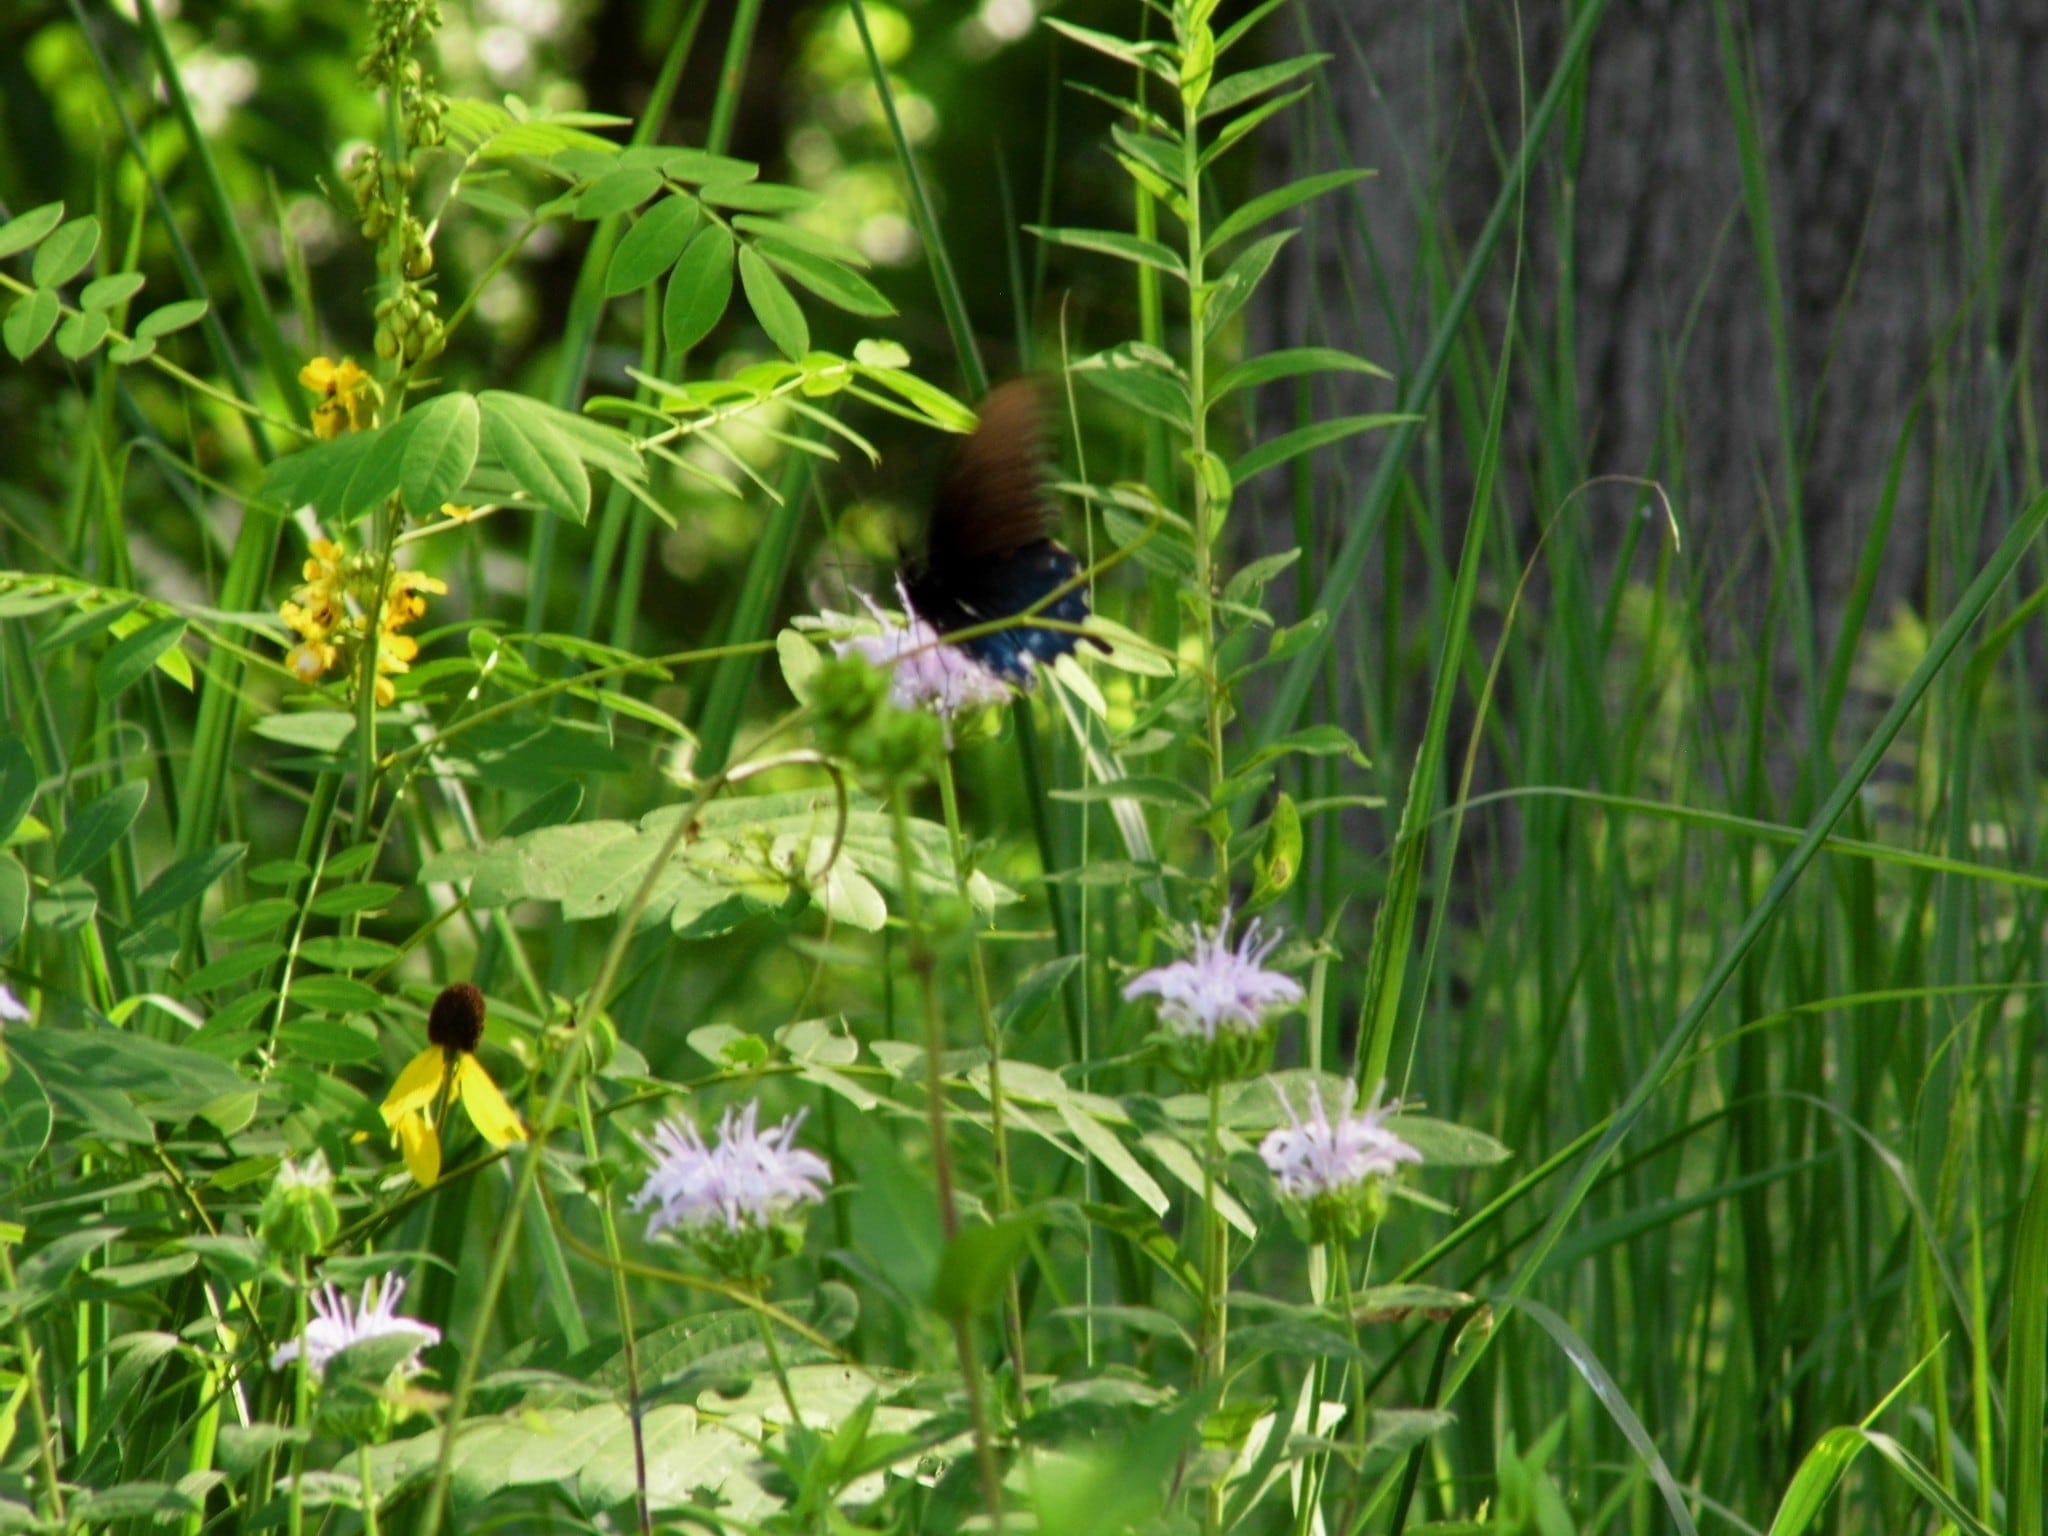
(417, 1086)
(422, 1148)
(493, 1118)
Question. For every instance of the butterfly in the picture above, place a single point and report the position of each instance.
(989, 553)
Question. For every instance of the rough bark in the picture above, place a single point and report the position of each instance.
(1901, 143)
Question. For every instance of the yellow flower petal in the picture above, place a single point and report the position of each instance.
(493, 1118)
(422, 1148)
(318, 374)
(417, 1086)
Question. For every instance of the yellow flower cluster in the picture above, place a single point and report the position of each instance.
(329, 614)
(348, 396)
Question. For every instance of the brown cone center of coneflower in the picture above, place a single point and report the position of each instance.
(457, 1020)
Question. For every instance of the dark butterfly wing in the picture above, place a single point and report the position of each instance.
(993, 500)
(989, 553)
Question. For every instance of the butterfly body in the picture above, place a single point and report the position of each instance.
(990, 555)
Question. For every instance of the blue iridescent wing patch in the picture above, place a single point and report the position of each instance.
(989, 553)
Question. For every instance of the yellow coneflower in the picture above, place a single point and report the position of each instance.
(447, 1072)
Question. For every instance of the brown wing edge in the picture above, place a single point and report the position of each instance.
(992, 498)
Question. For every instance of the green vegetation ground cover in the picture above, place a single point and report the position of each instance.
(346, 668)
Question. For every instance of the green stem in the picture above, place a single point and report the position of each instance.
(302, 1407)
(977, 964)
(796, 1417)
(1205, 513)
(39, 1410)
(615, 1255)
(369, 1490)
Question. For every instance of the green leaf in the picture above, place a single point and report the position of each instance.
(131, 351)
(185, 881)
(84, 625)
(336, 994)
(1254, 213)
(65, 254)
(827, 279)
(1234, 130)
(1146, 790)
(786, 233)
(28, 323)
(652, 245)
(106, 292)
(699, 289)
(81, 334)
(128, 660)
(317, 730)
(1111, 242)
(1229, 292)
(773, 305)
(619, 189)
(521, 434)
(17, 784)
(172, 317)
(13, 900)
(18, 234)
(1287, 363)
(94, 831)
(975, 1268)
(698, 166)
(345, 900)
(344, 953)
(1271, 455)
(758, 197)
(1235, 90)
(1143, 378)
(1149, 57)
(438, 452)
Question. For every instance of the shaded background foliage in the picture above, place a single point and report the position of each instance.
(1893, 186)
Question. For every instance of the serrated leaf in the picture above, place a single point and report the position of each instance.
(1251, 215)
(106, 292)
(827, 279)
(94, 831)
(652, 245)
(773, 305)
(172, 317)
(29, 321)
(18, 234)
(439, 452)
(66, 252)
(1271, 455)
(699, 289)
(128, 660)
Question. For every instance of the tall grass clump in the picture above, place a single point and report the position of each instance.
(1099, 1027)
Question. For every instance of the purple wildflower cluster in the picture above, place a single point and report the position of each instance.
(747, 1183)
